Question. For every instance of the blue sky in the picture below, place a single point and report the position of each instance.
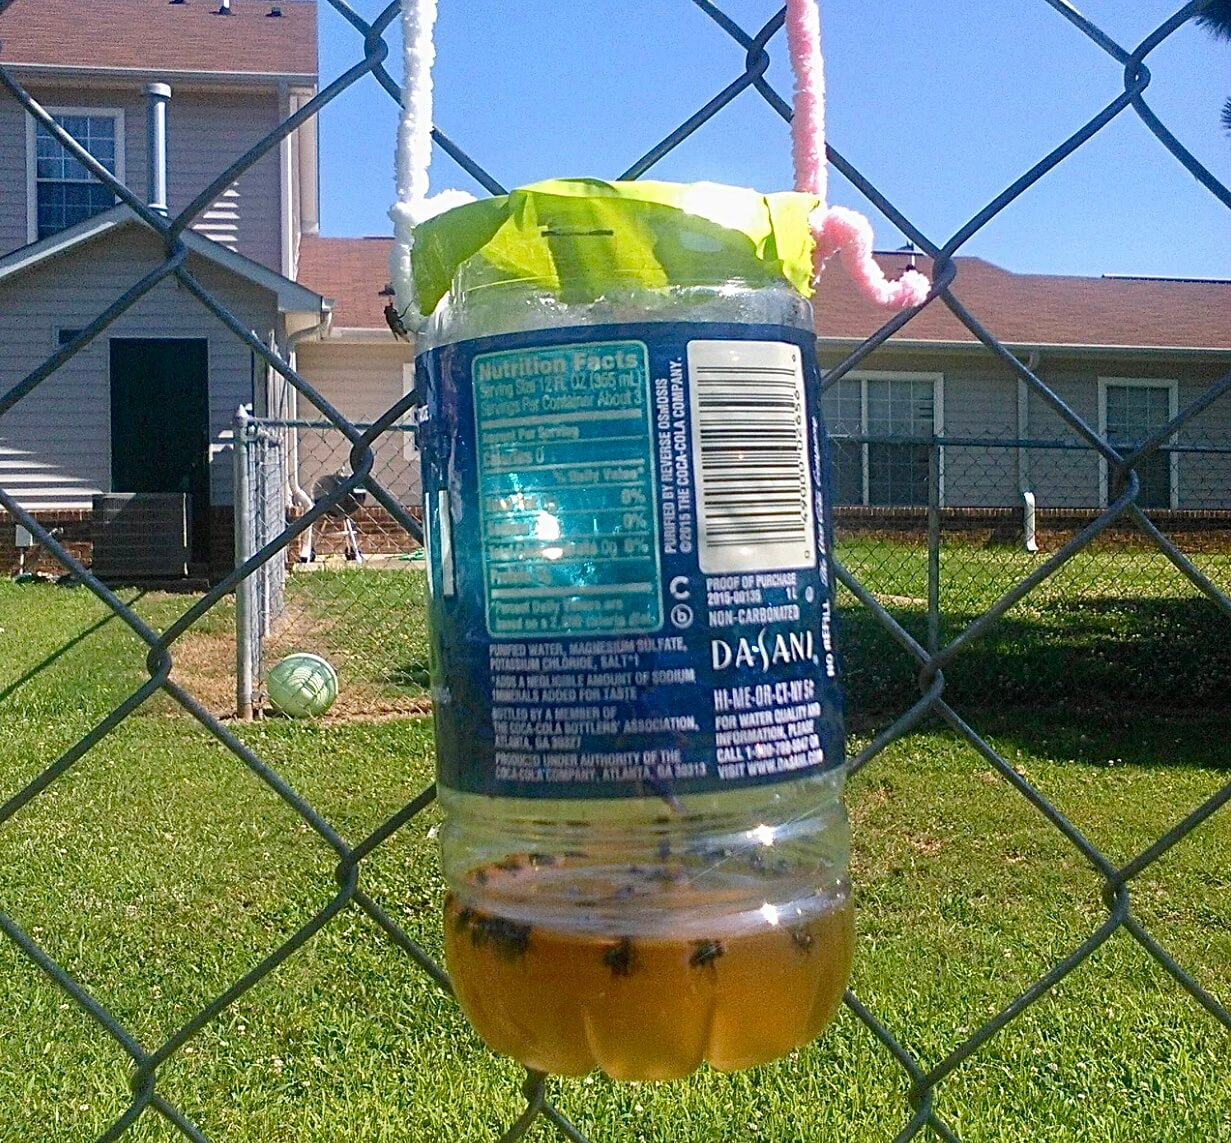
(941, 103)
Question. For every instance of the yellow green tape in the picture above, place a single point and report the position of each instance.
(581, 238)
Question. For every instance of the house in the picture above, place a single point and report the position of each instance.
(148, 405)
(357, 364)
(1125, 354)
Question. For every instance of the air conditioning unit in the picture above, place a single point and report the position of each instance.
(141, 535)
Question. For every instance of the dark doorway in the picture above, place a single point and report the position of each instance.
(160, 423)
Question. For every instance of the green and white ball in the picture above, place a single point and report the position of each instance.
(302, 685)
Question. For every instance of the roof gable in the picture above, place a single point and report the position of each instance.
(158, 36)
(292, 297)
(350, 271)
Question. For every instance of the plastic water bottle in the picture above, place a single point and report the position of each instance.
(637, 715)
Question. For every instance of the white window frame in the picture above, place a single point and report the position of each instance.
(863, 376)
(1173, 407)
(115, 113)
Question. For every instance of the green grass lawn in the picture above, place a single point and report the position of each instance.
(159, 870)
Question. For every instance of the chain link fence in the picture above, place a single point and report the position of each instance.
(964, 525)
(260, 515)
(357, 561)
(892, 645)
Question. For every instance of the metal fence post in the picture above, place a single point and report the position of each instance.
(245, 590)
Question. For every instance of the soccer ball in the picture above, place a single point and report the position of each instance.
(302, 685)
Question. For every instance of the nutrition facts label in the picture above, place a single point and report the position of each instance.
(569, 535)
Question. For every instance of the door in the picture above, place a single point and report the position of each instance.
(160, 423)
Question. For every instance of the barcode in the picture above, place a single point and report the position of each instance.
(750, 456)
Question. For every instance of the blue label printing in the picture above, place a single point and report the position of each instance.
(627, 534)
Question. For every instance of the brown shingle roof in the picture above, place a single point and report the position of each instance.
(351, 271)
(1043, 309)
(1019, 309)
(157, 36)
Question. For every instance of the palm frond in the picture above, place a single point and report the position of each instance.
(1217, 19)
(1226, 116)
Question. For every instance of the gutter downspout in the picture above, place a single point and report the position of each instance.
(296, 496)
(1023, 422)
(286, 188)
(1029, 519)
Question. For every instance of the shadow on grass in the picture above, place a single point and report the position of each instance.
(410, 676)
(1107, 671)
(64, 649)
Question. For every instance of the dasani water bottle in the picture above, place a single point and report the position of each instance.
(637, 713)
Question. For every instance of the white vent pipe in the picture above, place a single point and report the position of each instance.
(158, 95)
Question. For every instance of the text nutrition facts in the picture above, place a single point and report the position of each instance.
(566, 490)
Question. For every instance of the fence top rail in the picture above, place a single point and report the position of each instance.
(1006, 442)
(362, 426)
(848, 438)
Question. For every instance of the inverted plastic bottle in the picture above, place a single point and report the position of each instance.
(637, 715)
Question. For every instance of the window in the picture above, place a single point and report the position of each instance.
(1131, 411)
(62, 192)
(880, 427)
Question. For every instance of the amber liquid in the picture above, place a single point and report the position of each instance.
(651, 1006)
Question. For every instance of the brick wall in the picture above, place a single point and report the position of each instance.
(74, 531)
(72, 528)
(221, 541)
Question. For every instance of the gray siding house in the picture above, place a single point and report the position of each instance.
(148, 405)
(1125, 354)
(357, 365)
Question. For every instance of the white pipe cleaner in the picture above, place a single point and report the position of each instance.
(414, 152)
(834, 228)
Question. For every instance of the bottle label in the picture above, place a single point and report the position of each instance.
(627, 532)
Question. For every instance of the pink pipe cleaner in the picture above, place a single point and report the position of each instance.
(833, 228)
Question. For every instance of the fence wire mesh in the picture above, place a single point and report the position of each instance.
(347, 568)
(928, 670)
(958, 532)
